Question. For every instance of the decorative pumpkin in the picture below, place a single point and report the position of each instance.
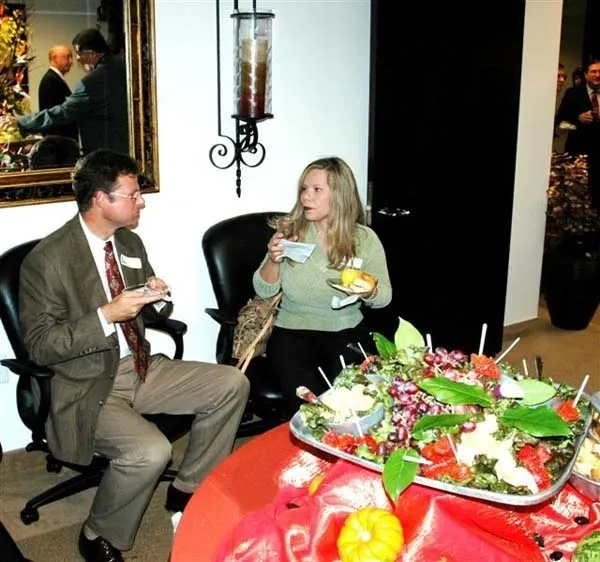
(370, 534)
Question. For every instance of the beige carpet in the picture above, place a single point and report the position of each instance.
(567, 356)
(54, 537)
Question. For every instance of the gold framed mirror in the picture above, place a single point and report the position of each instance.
(30, 187)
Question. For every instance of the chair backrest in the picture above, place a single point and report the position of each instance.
(233, 249)
(10, 268)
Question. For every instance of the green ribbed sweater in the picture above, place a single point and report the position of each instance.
(306, 299)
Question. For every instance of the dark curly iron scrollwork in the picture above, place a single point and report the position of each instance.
(246, 142)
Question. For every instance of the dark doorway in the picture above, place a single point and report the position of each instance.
(443, 137)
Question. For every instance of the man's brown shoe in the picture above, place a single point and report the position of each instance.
(98, 550)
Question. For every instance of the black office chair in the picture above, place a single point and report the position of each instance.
(173, 426)
(233, 249)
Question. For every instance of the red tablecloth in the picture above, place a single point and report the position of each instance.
(255, 508)
(247, 480)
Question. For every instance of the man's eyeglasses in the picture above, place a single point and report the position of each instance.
(132, 196)
(79, 54)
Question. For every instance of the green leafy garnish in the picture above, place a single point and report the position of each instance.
(454, 393)
(535, 392)
(408, 336)
(385, 348)
(426, 423)
(539, 422)
(398, 473)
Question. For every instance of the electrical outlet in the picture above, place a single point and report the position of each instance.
(3, 371)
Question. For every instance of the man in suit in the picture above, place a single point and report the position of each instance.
(99, 103)
(580, 108)
(54, 90)
(78, 319)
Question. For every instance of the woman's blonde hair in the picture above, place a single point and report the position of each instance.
(345, 210)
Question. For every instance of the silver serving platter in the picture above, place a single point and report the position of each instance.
(302, 432)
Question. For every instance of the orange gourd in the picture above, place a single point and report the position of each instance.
(370, 534)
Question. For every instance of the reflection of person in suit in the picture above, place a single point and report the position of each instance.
(102, 384)
(580, 107)
(54, 90)
(98, 104)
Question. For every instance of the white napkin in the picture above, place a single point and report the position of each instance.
(297, 251)
(336, 302)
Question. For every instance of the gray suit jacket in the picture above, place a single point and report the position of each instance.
(99, 105)
(60, 292)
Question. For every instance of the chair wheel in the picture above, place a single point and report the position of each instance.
(29, 516)
(53, 465)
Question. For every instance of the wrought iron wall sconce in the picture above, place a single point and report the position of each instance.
(252, 90)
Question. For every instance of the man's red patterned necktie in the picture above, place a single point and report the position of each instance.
(595, 106)
(132, 335)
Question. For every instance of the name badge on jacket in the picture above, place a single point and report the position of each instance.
(132, 263)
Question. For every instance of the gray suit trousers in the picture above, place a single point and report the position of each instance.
(139, 452)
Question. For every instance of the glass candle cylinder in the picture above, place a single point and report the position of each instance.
(252, 64)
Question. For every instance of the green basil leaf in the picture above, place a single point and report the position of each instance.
(407, 336)
(399, 474)
(454, 393)
(426, 423)
(535, 392)
(385, 348)
(539, 422)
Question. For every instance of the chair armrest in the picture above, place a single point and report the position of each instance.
(174, 328)
(225, 338)
(222, 317)
(27, 369)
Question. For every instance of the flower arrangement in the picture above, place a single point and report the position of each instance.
(14, 57)
(569, 209)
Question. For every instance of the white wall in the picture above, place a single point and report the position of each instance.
(536, 117)
(320, 103)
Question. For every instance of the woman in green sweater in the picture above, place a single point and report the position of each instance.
(309, 333)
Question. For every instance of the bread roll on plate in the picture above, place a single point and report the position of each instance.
(364, 283)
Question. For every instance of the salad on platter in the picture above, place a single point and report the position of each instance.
(465, 421)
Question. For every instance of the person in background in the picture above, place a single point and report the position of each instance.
(578, 77)
(580, 107)
(309, 333)
(98, 105)
(54, 90)
(558, 141)
(78, 318)
(561, 78)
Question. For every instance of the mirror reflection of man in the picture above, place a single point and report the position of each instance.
(98, 104)
(54, 90)
(580, 108)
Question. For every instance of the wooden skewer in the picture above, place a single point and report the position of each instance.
(418, 460)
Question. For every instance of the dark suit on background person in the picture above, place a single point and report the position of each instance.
(98, 104)
(53, 90)
(98, 393)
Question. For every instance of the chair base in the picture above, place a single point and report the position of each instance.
(90, 478)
